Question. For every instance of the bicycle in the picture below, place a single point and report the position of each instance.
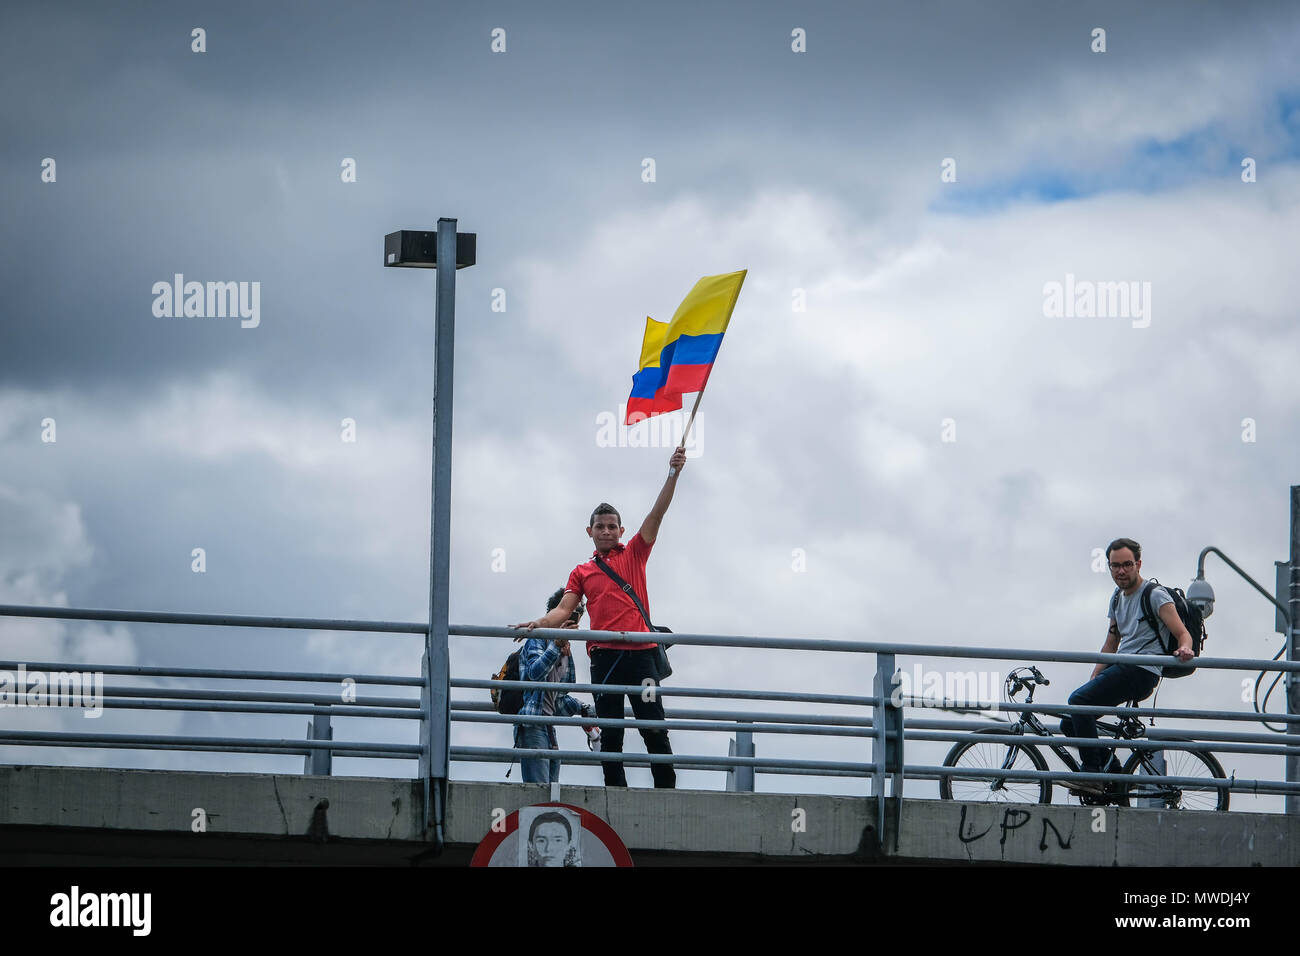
(1022, 755)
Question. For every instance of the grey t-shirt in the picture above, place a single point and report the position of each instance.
(1135, 634)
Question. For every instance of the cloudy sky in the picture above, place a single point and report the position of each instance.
(923, 453)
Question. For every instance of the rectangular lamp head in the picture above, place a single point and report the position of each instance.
(418, 249)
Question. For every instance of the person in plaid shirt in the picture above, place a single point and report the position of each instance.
(547, 661)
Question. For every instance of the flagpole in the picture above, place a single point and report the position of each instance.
(689, 422)
(700, 394)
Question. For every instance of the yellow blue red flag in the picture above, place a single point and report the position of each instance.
(677, 356)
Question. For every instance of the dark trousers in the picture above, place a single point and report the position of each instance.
(1117, 684)
(629, 667)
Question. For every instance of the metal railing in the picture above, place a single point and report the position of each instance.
(318, 747)
(876, 717)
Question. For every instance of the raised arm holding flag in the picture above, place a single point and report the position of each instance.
(676, 357)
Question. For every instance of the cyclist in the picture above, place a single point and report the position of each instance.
(1129, 633)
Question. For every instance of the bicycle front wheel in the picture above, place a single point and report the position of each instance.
(1178, 763)
(983, 755)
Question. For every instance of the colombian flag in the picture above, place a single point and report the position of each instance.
(677, 356)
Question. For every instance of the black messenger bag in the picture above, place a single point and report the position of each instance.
(662, 667)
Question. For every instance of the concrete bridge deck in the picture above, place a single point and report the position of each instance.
(86, 816)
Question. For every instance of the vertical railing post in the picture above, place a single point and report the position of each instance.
(426, 764)
(887, 746)
(741, 779)
(1146, 795)
(1293, 651)
(319, 762)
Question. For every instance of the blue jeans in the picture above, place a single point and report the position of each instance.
(1117, 684)
(538, 769)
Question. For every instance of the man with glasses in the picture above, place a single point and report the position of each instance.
(547, 661)
(1129, 633)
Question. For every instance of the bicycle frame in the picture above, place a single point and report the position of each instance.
(1030, 726)
(1029, 735)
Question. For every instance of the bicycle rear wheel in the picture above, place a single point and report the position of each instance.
(984, 755)
(1178, 763)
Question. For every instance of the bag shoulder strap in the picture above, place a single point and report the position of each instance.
(626, 588)
(1152, 621)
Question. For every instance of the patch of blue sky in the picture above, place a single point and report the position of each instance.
(1147, 166)
(1288, 115)
(1035, 186)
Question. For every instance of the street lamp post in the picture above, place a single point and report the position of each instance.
(429, 250)
(1287, 602)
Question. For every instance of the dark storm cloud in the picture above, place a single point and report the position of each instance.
(225, 165)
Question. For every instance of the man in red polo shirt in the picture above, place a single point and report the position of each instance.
(611, 609)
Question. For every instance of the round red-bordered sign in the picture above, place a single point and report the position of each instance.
(497, 849)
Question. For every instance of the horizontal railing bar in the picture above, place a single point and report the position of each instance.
(723, 693)
(1276, 749)
(1058, 741)
(662, 691)
(878, 647)
(956, 707)
(217, 748)
(1062, 776)
(1181, 713)
(728, 722)
(1066, 776)
(919, 775)
(198, 693)
(335, 710)
(135, 670)
(633, 761)
(219, 620)
(504, 754)
(413, 704)
(1159, 733)
(1105, 711)
(639, 637)
(374, 755)
(969, 725)
(830, 720)
(615, 637)
(838, 720)
(1162, 743)
(667, 724)
(168, 742)
(1107, 742)
(804, 773)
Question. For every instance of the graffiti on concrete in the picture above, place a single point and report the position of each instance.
(1014, 818)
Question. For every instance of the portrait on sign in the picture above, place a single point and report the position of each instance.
(552, 836)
